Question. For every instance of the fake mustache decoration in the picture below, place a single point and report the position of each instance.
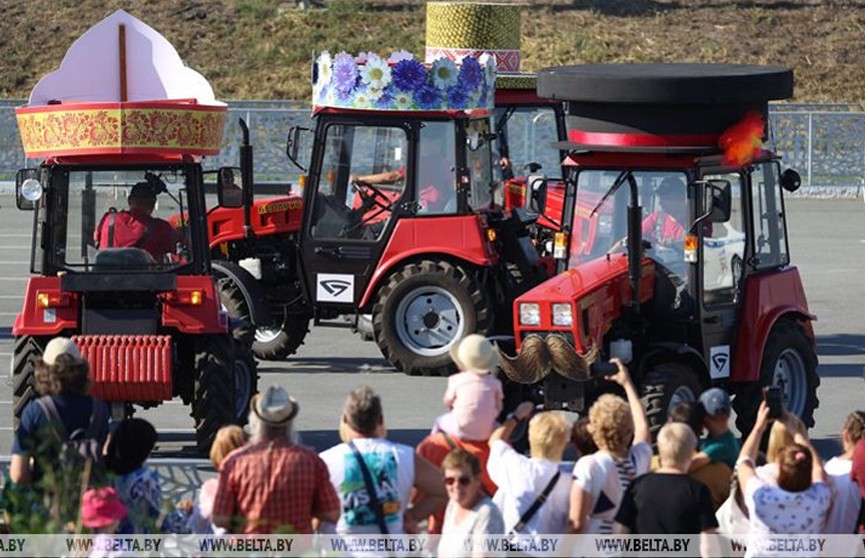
(539, 357)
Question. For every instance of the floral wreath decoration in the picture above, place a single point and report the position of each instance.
(402, 83)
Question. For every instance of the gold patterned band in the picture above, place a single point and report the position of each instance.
(175, 127)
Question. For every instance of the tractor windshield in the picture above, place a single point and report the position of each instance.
(600, 225)
(527, 135)
(121, 220)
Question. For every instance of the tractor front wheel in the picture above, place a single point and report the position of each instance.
(789, 362)
(214, 402)
(26, 351)
(666, 385)
(274, 341)
(424, 309)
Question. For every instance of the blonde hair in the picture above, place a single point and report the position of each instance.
(611, 423)
(854, 425)
(549, 433)
(780, 437)
(227, 439)
(676, 445)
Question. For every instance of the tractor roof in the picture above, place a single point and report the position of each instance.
(661, 107)
(122, 89)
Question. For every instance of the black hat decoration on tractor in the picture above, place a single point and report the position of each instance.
(700, 108)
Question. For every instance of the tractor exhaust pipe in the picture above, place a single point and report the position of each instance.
(246, 177)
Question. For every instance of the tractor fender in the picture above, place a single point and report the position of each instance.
(248, 286)
(769, 298)
(676, 352)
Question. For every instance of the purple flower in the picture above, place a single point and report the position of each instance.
(458, 98)
(386, 99)
(399, 56)
(344, 75)
(428, 97)
(471, 73)
(408, 75)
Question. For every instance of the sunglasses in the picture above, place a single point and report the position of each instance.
(464, 481)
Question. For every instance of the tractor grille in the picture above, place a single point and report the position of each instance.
(128, 367)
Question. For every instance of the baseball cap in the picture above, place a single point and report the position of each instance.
(716, 402)
(60, 346)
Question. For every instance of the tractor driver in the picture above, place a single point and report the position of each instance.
(666, 225)
(136, 227)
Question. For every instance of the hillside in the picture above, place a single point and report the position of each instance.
(261, 49)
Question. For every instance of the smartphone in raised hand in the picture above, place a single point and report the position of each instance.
(774, 401)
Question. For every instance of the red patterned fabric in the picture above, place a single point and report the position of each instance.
(273, 487)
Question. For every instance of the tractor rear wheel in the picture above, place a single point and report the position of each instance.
(666, 385)
(26, 351)
(789, 362)
(214, 402)
(422, 310)
(271, 342)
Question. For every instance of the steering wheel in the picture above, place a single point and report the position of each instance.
(371, 195)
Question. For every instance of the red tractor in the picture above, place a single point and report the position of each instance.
(678, 260)
(146, 315)
(398, 218)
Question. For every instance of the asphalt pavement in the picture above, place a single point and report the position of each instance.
(827, 243)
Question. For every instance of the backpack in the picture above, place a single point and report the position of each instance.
(80, 451)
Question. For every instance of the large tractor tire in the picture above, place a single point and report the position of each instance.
(789, 362)
(422, 310)
(245, 371)
(26, 351)
(666, 385)
(214, 402)
(273, 342)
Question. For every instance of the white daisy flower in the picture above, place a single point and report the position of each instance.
(374, 93)
(376, 72)
(444, 73)
(325, 63)
(402, 100)
(362, 100)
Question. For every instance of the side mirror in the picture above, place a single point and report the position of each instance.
(28, 189)
(229, 189)
(720, 194)
(536, 191)
(297, 136)
(790, 180)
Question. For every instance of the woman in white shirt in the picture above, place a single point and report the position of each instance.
(799, 504)
(469, 512)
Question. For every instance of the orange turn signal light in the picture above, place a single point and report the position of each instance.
(691, 248)
(52, 300)
(492, 235)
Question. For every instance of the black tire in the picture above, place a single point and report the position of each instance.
(787, 347)
(245, 372)
(267, 343)
(26, 351)
(457, 306)
(666, 385)
(214, 402)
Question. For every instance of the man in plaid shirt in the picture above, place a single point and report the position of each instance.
(272, 485)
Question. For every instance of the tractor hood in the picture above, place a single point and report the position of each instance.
(581, 303)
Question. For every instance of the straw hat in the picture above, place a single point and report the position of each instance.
(475, 352)
(274, 407)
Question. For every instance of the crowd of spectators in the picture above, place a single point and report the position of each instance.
(466, 477)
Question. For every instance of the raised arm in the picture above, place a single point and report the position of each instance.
(503, 432)
(641, 423)
(745, 465)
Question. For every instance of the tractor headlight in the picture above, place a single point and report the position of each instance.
(530, 313)
(562, 315)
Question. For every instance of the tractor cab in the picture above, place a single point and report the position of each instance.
(677, 256)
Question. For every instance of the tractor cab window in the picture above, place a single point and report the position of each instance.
(362, 180)
(724, 249)
(479, 155)
(767, 209)
(600, 223)
(121, 220)
(528, 134)
(436, 182)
